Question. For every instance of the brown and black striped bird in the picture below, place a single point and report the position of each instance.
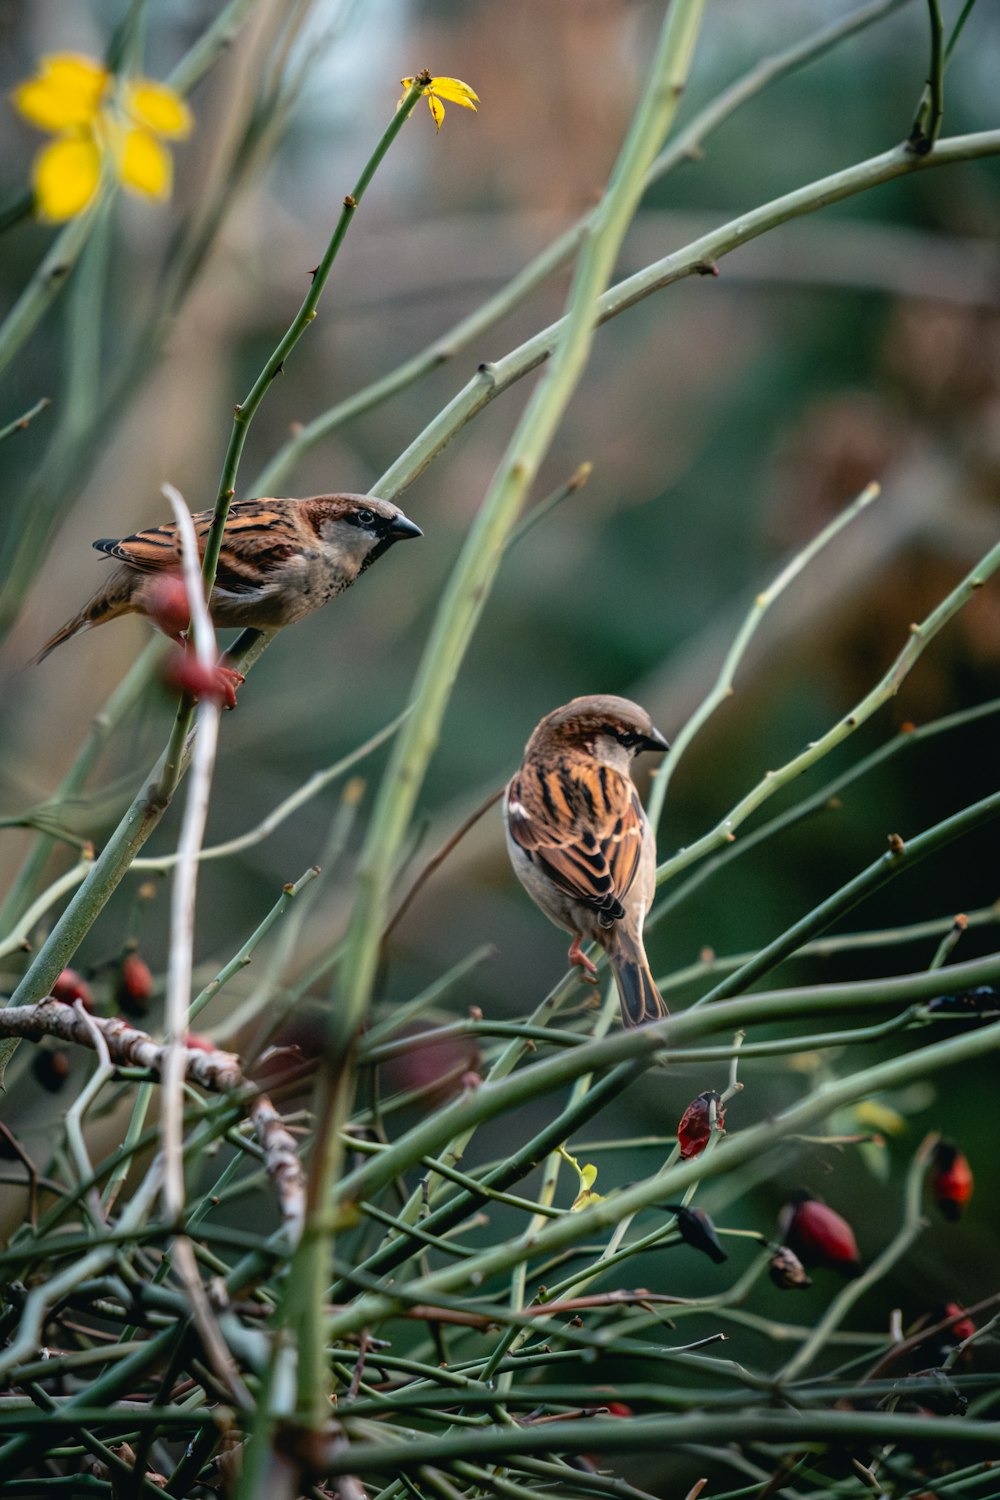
(580, 842)
(280, 560)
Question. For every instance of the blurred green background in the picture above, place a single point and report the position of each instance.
(727, 419)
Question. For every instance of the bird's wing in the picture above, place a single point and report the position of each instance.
(255, 541)
(583, 823)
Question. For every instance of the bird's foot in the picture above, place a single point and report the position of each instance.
(185, 674)
(229, 680)
(580, 961)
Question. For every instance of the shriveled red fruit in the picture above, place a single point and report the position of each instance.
(71, 986)
(135, 985)
(963, 1328)
(438, 1067)
(787, 1271)
(819, 1236)
(695, 1128)
(51, 1068)
(697, 1230)
(951, 1180)
(166, 602)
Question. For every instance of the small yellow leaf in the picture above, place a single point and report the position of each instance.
(144, 166)
(879, 1116)
(158, 108)
(66, 176)
(587, 1175)
(455, 91)
(65, 95)
(584, 1200)
(437, 110)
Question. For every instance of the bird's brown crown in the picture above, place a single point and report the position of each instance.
(585, 720)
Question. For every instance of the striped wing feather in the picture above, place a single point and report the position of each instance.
(584, 825)
(251, 545)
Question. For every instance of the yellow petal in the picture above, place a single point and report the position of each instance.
(455, 91)
(144, 166)
(437, 110)
(66, 93)
(66, 176)
(158, 108)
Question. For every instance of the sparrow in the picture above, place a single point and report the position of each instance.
(580, 842)
(280, 560)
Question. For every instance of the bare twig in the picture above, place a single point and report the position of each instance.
(281, 1162)
(128, 1047)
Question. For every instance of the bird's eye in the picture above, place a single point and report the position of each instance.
(365, 517)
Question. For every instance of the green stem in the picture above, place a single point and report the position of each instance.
(723, 687)
(911, 1228)
(53, 271)
(21, 424)
(871, 879)
(108, 870)
(927, 125)
(477, 567)
(821, 799)
(146, 811)
(696, 258)
(839, 1429)
(735, 1151)
(247, 409)
(681, 148)
(918, 639)
(641, 1047)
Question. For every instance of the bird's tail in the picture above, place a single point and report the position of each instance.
(78, 622)
(112, 600)
(640, 999)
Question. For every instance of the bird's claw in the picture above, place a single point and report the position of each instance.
(579, 960)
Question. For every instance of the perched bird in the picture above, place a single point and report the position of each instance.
(280, 560)
(580, 842)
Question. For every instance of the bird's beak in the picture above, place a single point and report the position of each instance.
(402, 528)
(655, 741)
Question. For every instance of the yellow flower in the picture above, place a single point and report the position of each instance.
(101, 123)
(436, 89)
